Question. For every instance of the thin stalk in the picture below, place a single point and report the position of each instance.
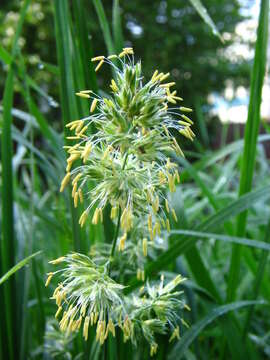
(119, 218)
(116, 233)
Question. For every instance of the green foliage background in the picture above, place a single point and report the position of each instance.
(42, 65)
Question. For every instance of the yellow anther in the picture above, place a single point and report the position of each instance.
(172, 187)
(174, 215)
(82, 95)
(180, 122)
(80, 195)
(113, 212)
(57, 261)
(76, 179)
(93, 105)
(58, 312)
(77, 127)
(86, 152)
(85, 327)
(144, 246)
(185, 109)
(83, 310)
(186, 118)
(64, 322)
(122, 242)
(167, 85)
(83, 218)
(99, 65)
(165, 76)
(111, 327)
(74, 189)
(167, 206)
(95, 217)
(64, 182)
(138, 274)
(97, 58)
(76, 197)
(86, 92)
(154, 75)
(171, 100)
(168, 226)
(153, 349)
(113, 56)
(126, 51)
(50, 275)
(175, 334)
(81, 133)
(106, 152)
(75, 122)
(78, 323)
(150, 223)
(113, 86)
(142, 275)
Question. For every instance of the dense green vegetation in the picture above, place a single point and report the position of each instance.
(222, 238)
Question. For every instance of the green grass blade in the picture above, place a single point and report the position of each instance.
(201, 273)
(263, 245)
(6, 57)
(250, 141)
(9, 340)
(104, 26)
(117, 28)
(84, 45)
(258, 279)
(67, 88)
(8, 241)
(191, 334)
(17, 267)
(205, 16)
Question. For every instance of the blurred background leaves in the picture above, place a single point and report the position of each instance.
(52, 61)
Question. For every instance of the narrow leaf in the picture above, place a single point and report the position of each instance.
(189, 336)
(17, 267)
(205, 16)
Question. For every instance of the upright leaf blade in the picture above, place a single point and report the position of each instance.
(67, 87)
(17, 267)
(205, 16)
(104, 26)
(191, 334)
(9, 336)
(250, 143)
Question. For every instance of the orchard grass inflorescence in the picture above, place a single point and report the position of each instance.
(126, 164)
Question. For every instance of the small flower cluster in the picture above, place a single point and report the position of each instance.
(154, 311)
(126, 158)
(58, 344)
(126, 164)
(87, 296)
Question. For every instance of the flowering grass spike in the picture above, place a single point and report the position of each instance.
(125, 164)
